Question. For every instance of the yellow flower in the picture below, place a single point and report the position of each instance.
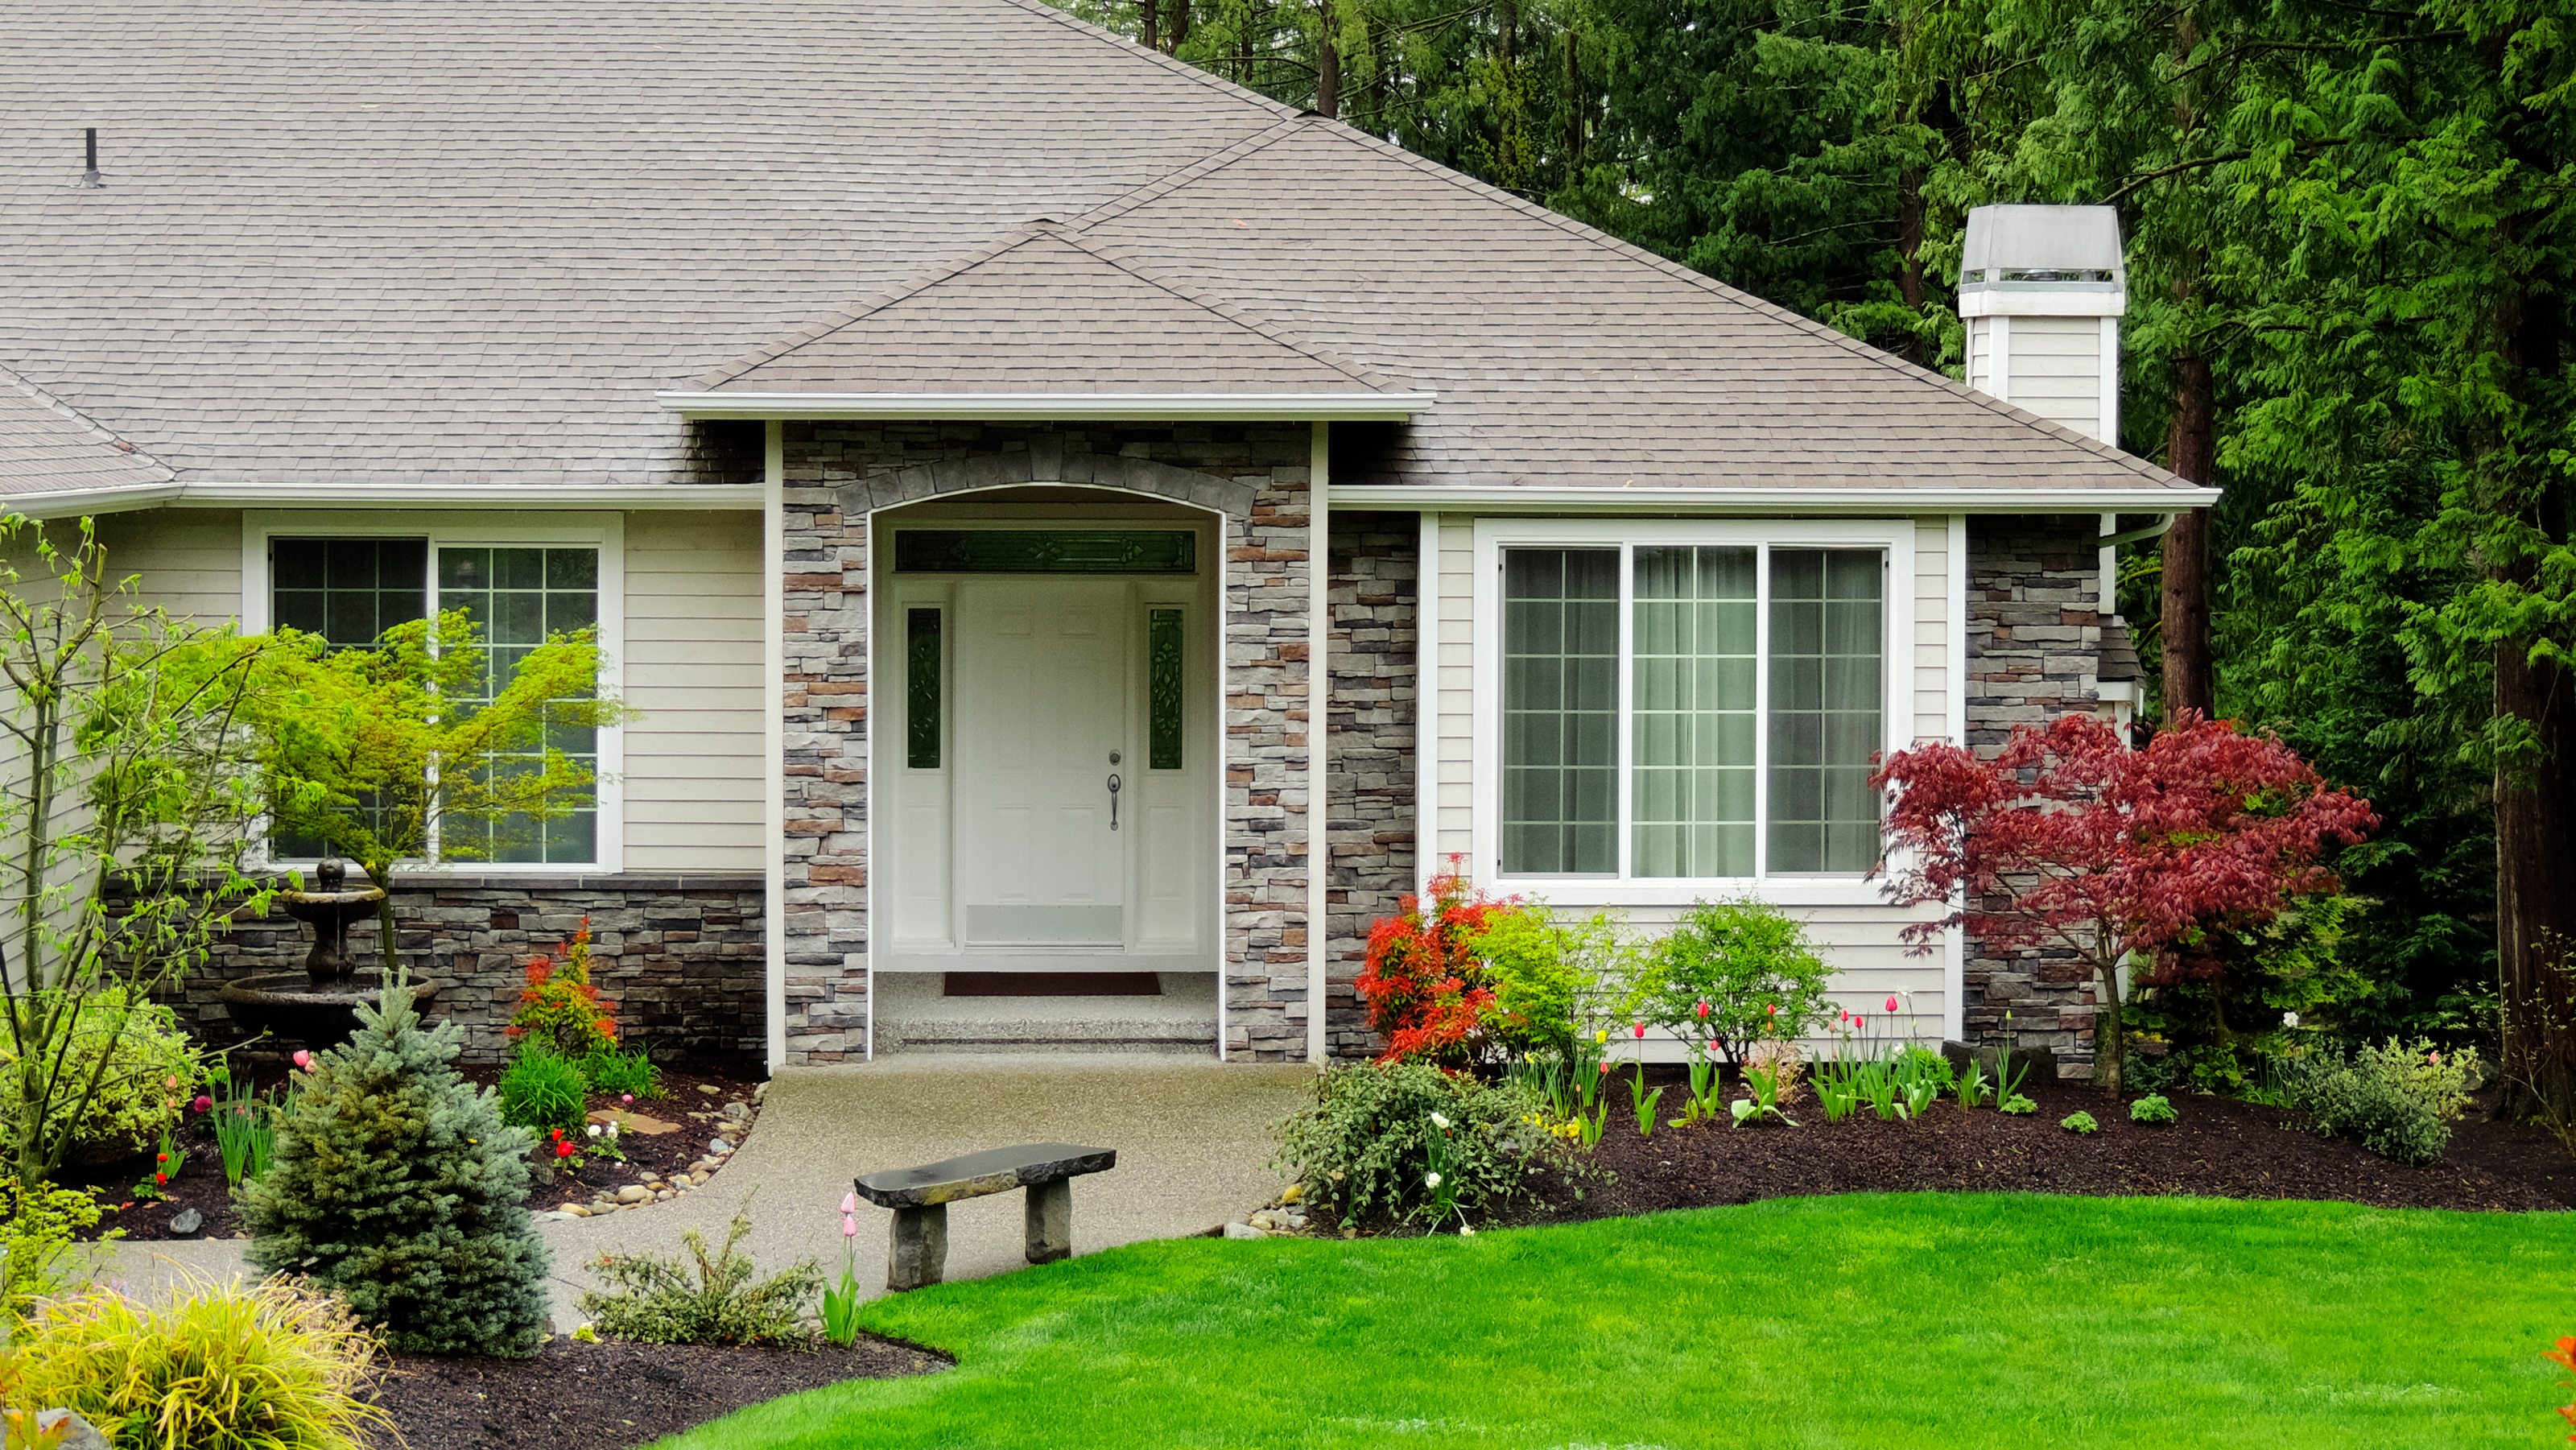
(1601, 1037)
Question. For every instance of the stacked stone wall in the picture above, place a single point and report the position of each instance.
(1375, 585)
(681, 956)
(2034, 647)
(1257, 476)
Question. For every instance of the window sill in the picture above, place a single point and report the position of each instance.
(1778, 891)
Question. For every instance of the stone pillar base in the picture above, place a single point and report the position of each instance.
(1050, 1221)
(918, 1252)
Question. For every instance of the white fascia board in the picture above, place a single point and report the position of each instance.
(2043, 299)
(1877, 502)
(398, 495)
(1051, 407)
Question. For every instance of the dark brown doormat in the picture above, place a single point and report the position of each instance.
(1054, 984)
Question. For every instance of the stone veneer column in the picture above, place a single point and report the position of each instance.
(1258, 477)
(2034, 646)
(1375, 583)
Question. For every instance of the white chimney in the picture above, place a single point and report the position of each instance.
(2042, 289)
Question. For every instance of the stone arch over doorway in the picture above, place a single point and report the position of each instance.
(1047, 462)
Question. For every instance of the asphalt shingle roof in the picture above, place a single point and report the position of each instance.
(390, 241)
(46, 447)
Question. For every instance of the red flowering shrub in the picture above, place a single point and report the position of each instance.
(1427, 993)
(560, 1007)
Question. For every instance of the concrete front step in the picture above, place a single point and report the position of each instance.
(914, 1015)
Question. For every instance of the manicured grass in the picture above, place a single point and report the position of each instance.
(1896, 1320)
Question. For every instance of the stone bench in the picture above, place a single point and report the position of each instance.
(918, 1253)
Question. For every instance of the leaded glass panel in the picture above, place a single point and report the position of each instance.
(921, 688)
(1165, 696)
(1045, 551)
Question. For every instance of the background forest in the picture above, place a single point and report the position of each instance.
(2350, 226)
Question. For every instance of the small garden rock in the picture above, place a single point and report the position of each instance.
(76, 1433)
(187, 1221)
(634, 1193)
(1243, 1231)
(719, 1146)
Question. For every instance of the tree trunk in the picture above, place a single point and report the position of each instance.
(2190, 449)
(1909, 246)
(1180, 26)
(2110, 1043)
(2535, 910)
(1328, 65)
(1573, 111)
(1149, 24)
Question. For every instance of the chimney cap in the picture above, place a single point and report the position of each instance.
(2064, 260)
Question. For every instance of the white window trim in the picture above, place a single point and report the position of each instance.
(479, 528)
(1894, 536)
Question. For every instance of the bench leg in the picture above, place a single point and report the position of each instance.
(918, 1253)
(1050, 1214)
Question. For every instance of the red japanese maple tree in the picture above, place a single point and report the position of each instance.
(1426, 991)
(2069, 838)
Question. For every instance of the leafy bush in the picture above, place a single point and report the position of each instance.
(2018, 1106)
(398, 1185)
(1425, 987)
(2153, 1108)
(37, 1229)
(265, 1367)
(1541, 967)
(2081, 1124)
(542, 1091)
(1731, 973)
(2397, 1100)
(1365, 1147)
(662, 1299)
(151, 1070)
(610, 1071)
(560, 1007)
(2220, 1007)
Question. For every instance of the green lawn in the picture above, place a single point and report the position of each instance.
(1902, 1320)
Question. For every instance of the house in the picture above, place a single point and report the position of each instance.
(980, 442)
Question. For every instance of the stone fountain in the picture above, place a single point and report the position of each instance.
(319, 1005)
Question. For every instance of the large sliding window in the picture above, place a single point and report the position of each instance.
(1690, 710)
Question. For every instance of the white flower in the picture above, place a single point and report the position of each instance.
(1440, 1122)
(1466, 1231)
(2289, 1019)
(1431, 1181)
(594, 1130)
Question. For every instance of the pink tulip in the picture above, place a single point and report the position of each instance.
(203, 1103)
(1773, 1009)
(626, 1097)
(1891, 1004)
(849, 1226)
(1702, 1007)
(1605, 1068)
(304, 1059)
(850, 1202)
(1641, 1029)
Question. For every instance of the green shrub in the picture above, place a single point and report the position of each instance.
(665, 1299)
(541, 1091)
(2018, 1106)
(152, 1067)
(38, 1227)
(264, 1367)
(1541, 967)
(1748, 962)
(561, 1008)
(2153, 1108)
(1365, 1148)
(397, 1185)
(2081, 1124)
(611, 1071)
(2396, 1100)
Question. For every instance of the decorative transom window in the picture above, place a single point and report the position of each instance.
(351, 587)
(1687, 708)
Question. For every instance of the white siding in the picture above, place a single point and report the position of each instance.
(189, 560)
(2056, 369)
(693, 753)
(1933, 591)
(1981, 355)
(1456, 689)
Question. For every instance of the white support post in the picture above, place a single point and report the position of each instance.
(1426, 703)
(1319, 634)
(773, 727)
(1954, 943)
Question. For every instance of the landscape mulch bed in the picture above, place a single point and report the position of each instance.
(2217, 1147)
(595, 1396)
(693, 1091)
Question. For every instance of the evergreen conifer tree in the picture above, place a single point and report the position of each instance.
(398, 1185)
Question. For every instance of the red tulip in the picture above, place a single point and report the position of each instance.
(203, 1103)
(1773, 1009)
(1641, 1029)
(1605, 1067)
(564, 1150)
(1891, 1004)
(160, 1157)
(1702, 1007)
(160, 1177)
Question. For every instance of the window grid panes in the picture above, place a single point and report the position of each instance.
(1692, 713)
(348, 591)
(1560, 711)
(1754, 706)
(519, 597)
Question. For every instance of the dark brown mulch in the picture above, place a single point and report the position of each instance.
(610, 1395)
(2217, 1147)
(693, 1090)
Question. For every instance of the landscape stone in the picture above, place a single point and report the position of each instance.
(1243, 1231)
(187, 1221)
(718, 1145)
(75, 1433)
(634, 1193)
(632, 1122)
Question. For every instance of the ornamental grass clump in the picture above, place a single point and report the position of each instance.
(1366, 1149)
(398, 1186)
(268, 1366)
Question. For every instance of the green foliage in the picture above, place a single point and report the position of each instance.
(624, 1073)
(268, 1366)
(2018, 1106)
(398, 1186)
(703, 1298)
(38, 1228)
(1542, 966)
(540, 1090)
(1731, 973)
(1363, 1150)
(560, 1009)
(144, 1066)
(2221, 1009)
(2153, 1108)
(2081, 1124)
(2396, 1099)
(245, 1132)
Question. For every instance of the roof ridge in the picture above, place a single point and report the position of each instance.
(1233, 312)
(1180, 176)
(1584, 231)
(37, 394)
(1209, 79)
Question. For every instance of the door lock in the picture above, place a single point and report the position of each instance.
(1114, 783)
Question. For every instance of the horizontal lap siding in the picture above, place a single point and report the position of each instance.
(2057, 369)
(693, 777)
(1456, 632)
(189, 560)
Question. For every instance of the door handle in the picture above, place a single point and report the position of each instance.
(1113, 800)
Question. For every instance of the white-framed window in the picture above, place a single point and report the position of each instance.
(1678, 708)
(349, 574)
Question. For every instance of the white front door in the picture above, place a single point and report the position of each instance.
(1042, 733)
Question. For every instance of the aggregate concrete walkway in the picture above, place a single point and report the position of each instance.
(1192, 1134)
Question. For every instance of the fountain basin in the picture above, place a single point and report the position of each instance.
(286, 1004)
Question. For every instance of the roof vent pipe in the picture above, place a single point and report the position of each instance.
(2042, 289)
(89, 177)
